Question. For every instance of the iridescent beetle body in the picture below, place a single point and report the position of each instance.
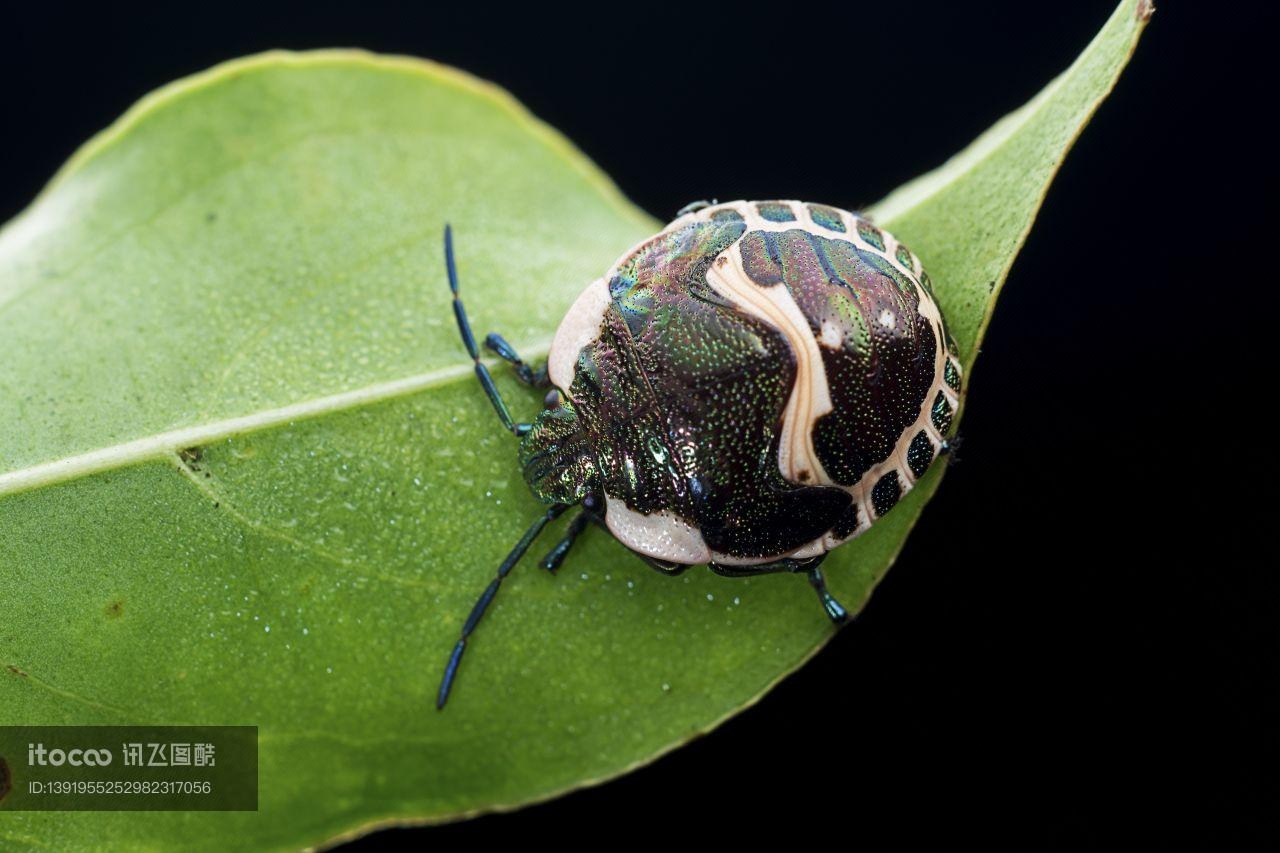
(751, 387)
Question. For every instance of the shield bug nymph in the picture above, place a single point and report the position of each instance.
(748, 389)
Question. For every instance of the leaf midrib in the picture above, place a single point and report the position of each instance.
(160, 444)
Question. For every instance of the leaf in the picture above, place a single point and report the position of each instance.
(246, 476)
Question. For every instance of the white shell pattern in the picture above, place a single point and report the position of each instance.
(665, 535)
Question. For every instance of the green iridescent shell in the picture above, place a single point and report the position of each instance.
(758, 381)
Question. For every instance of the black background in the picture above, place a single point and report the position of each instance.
(1041, 656)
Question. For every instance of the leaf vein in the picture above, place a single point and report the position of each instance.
(26, 676)
(206, 487)
(158, 446)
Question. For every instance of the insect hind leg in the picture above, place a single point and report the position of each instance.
(811, 568)
(834, 609)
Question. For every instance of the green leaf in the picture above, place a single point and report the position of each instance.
(246, 476)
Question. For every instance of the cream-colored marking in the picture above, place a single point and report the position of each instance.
(805, 219)
(813, 549)
(662, 535)
(929, 310)
(810, 397)
(832, 337)
(579, 327)
(888, 319)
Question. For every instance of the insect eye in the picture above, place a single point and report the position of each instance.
(552, 400)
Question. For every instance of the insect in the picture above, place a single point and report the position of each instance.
(751, 387)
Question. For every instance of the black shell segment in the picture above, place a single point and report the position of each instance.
(942, 413)
(828, 217)
(871, 234)
(920, 454)
(847, 523)
(951, 374)
(885, 493)
(775, 211)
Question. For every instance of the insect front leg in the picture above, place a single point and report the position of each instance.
(556, 555)
(535, 376)
(486, 598)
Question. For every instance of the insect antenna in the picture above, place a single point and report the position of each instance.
(486, 597)
(469, 339)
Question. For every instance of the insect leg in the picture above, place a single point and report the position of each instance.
(486, 598)
(834, 609)
(809, 567)
(464, 328)
(556, 555)
(537, 377)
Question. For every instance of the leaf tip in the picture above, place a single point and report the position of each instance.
(1146, 8)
